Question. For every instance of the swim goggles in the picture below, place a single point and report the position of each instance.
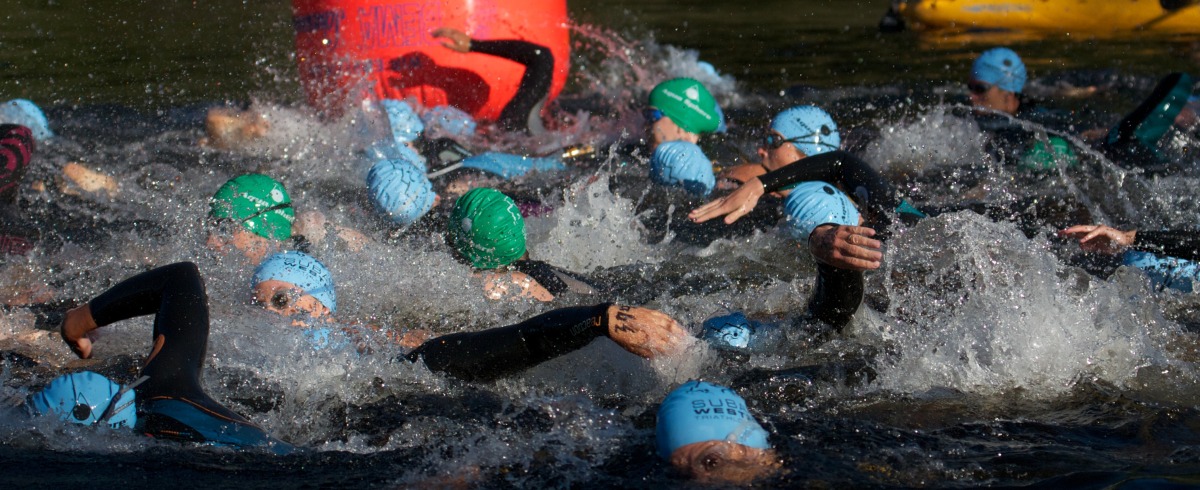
(652, 115)
(977, 87)
(771, 141)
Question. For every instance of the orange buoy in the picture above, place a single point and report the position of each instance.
(351, 50)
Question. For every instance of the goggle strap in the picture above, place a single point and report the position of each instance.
(113, 408)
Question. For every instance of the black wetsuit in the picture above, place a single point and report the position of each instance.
(555, 279)
(494, 353)
(1184, 244)
(171, 402)
(523, 112)
(839, 292)
(1127, 146)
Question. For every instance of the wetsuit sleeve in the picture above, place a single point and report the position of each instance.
(1184, 244)
(857, 177)
(176, 296)
(1133, 140)
(16, 149)
(837, 295)
(524, 110)
(554, 279)
(492, 354)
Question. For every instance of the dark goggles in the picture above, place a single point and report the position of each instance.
(652, 115)
(977, 87)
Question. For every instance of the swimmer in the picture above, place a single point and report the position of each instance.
(524, 111)
(167, 400)
(252, 214)
(680, 109)
(487, 230)
(794, 134)
(1169, 257)
(707, 432)
(296, 285)
(997, 79)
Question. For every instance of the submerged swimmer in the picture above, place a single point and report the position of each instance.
(487, 230)
(707, 432)
(295, 284)
(1169, 257)
(167, 401)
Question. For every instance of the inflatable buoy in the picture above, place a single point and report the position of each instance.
(352, 50)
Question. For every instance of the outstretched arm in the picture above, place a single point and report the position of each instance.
(1100, 238)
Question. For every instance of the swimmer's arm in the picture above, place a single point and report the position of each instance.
(1184, 244)
(846, 247)
(1100, 238)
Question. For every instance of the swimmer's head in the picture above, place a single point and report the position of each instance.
(815, 203)
(487, 229)
(400, 190)
(26, 113)
(707, 431)
(387, 150)
(732, 331)
(682, 164)
(405, 124)
(1000, 67)
(809, 128)
(449, 121)
(85, 398)
(688, 104)
(258, 203)
(289, 282)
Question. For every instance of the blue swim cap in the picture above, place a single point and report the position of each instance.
(682, 164)
(1000, 67)
(730, 331)
(507, 165)
(386, 150)
(85, 397)
(26, 113)
(809, 128)
(699, 411)
(302, 270)
(450, 119)
(1165, 272)
(812, 204)
(406, 125)
(401, 190)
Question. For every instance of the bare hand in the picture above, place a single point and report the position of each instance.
(734, 206)
(1100, 238)
(846, 247)
(645, 332)
(455, 39)
(75, 329)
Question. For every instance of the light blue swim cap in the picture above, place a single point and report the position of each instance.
(682, 164)
(85, 397)
(699, 411)
(302, 270)
(404, 122)
(386, 150)
(808, 127)
(26, 113)
(507, 165)
(1000, 67)
(1165, 272)
(730, 331)
(812, 204)
(450, 119)
(400, 190)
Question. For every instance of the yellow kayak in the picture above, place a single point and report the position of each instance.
(1060, 16)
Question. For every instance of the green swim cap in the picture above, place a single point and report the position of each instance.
(1041, 157)
(259, 202)
(688, 104)
(486, 227)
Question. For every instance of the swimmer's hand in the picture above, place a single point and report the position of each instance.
(734, 206)
(645, 332)
(75, 328)
(1100, 238)
(846, 247)
(455, 39)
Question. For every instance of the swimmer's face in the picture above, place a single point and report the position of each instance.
(663, 129)
(230, 236)
(987, 96)
(724, 462)
(777, 157)
(287, 299)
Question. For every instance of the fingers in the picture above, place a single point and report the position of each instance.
(1098, 231)
(706, 212)
(1078, 229)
